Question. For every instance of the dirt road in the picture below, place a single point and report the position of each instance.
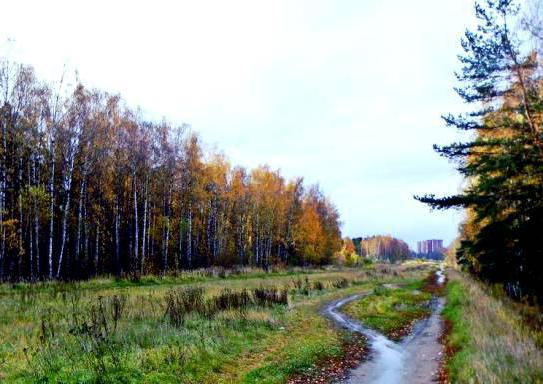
(414, 360)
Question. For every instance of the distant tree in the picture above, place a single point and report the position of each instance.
(450, 253)
(384, 248)
(347, 256)
(348, 245)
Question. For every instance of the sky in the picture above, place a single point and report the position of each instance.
(347, 94)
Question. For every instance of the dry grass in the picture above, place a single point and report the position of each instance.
(493, 343)
(120, 331)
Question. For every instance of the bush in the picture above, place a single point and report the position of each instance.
(341, 283)
(270, 296)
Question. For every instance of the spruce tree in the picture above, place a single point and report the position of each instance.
(504, 162)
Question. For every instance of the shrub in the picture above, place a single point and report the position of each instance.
(269, 296)
(180, 302)
(318, 285)
(229, 299)
(341, 283)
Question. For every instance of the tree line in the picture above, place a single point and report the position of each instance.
(502, 77)
(89, 187)
(382, 248)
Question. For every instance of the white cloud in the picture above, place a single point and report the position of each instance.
(347, 94)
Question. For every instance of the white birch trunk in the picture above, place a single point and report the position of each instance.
(51, 209)
(65, 212)
(142, 266)
(189, 238)
(136, 229)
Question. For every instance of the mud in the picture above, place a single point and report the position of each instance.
(414, 360)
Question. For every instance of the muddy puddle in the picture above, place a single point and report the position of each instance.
(414, 360)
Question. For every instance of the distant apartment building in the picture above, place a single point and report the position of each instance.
(426, 247)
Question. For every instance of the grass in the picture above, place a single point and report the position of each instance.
(181, 278)
(391, 310)
(489, 341)
(195, 328)
(308, 339)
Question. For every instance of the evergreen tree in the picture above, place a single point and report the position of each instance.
(504, 162)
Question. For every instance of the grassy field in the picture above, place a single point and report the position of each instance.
(489, 341)
(199, 327)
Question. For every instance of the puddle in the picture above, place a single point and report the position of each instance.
(414, 360)
(440, 273)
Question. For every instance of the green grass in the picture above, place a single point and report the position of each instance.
(54, 333)
(391, 309)
(489, 341)
(320, 341)
(459, 338)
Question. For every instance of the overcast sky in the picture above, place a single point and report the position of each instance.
(347, 94)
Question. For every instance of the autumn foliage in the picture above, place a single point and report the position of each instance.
(383, 248)
(87, 187)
